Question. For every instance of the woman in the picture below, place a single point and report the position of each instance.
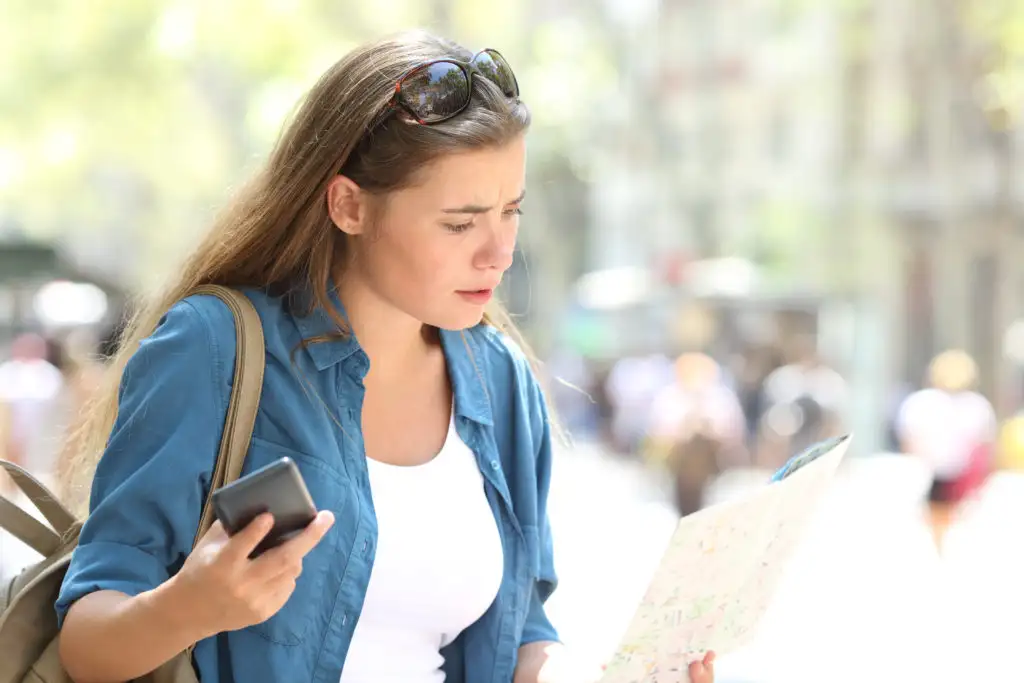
(370, 244)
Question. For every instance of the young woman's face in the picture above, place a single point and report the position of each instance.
(439, 249)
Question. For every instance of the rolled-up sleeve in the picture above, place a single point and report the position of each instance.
(150, 484)
(538, 627)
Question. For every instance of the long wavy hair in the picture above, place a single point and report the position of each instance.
(277, 233)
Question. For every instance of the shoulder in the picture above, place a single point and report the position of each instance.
(197, 331)
(194, 332)
(208, 318)
(210, 311)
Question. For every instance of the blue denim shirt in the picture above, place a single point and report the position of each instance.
(151, 482)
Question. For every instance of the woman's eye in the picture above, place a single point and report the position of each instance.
(458, 227)
(518, 211)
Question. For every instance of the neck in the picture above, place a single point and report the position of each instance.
(394, 341)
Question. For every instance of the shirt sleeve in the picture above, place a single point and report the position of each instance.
(538, 627)
(151, 482)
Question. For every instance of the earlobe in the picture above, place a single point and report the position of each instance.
(346, 205)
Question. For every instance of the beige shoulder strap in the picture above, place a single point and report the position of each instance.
(59, 517)
(25, 527)
(250, 359)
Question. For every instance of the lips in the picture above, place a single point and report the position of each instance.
(477, 296)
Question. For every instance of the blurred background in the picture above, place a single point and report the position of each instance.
(751, 224)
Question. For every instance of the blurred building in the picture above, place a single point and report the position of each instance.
(844, 151)
(43, 291)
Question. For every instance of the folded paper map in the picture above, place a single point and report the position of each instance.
(720, 572)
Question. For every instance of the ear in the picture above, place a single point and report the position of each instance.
(347, 205)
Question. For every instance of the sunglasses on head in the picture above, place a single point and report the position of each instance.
(441, 89)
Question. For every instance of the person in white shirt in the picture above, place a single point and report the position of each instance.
(952, 428)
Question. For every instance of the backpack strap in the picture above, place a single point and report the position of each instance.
(27, 528)
(59, 517)
(250, 360)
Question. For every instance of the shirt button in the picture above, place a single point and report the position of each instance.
(494, 464)
(366, 546)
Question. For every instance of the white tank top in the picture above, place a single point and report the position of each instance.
(437, 568)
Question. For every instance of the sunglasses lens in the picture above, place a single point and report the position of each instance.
(436, 92)
(493, 66)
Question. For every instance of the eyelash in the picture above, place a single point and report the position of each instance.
(457, 228)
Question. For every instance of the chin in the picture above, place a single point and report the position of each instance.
(459, 319)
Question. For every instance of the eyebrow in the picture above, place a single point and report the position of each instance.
(475, 208)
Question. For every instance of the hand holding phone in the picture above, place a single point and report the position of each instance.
(278, 489)
(226, 590)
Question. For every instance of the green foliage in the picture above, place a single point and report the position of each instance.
(137, 117)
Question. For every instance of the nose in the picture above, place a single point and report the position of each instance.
(500, 249)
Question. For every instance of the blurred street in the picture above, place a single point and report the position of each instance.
(866, 599)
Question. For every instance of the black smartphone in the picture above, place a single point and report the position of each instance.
(277, 488)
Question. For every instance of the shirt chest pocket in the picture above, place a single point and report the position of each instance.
(291, 625)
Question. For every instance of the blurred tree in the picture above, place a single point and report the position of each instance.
(988, 101)
(124, 122)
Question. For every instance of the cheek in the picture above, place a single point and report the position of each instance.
(410, 266)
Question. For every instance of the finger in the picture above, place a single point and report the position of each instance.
(286, 557)
(698, 672)
(245, 541)
(299, 546)
(275, 564)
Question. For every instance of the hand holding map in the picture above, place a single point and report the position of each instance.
(720, 572)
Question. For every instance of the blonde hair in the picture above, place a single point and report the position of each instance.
(277, 234)
(953, 370)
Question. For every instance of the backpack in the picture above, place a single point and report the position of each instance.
(28, 621)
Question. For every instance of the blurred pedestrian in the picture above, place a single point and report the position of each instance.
(695, 428)
(631, 386)
(804, 401)
(952, 428)
(30, 391)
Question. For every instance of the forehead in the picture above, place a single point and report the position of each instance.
(483, 176)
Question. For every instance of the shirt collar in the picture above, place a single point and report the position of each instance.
(467, 373)
(461, 351)
(315, 322)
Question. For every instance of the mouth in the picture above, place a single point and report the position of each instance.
(476, 296)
